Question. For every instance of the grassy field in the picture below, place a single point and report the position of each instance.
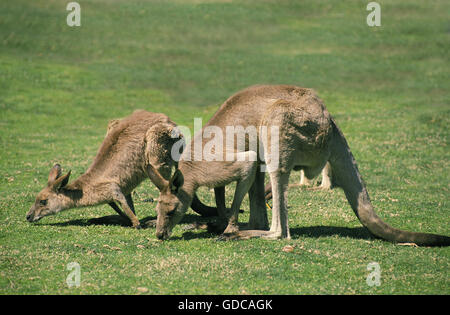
(386, 86)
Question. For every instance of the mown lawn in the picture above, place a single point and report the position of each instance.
(386, 86)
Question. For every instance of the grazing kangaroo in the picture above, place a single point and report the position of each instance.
(177, 194)
(308, 138)
(121, 164)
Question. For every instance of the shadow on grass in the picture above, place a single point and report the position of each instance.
(194, 232)
(321, 231)
(147, 222)
(297, 233)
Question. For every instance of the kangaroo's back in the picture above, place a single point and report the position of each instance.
(123, 149)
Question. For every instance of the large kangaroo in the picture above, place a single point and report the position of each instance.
(121, 164)
(308, 138)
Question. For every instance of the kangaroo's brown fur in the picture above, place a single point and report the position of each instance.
(131, 144)
(308, 138)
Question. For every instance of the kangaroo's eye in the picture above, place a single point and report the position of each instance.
(43, 202)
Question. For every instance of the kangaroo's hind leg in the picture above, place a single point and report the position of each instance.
(279, 227)
(258, 212)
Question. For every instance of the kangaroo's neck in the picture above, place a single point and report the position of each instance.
(82, 192)
(190, 175)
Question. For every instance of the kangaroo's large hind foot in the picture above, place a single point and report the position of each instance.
(247, 234)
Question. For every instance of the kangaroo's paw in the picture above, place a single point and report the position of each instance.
(226, 237)
(272, 235)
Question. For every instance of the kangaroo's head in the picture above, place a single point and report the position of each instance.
(49, 200)
(173, 202)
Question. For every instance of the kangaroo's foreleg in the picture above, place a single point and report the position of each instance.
(219, 225)
(117, 209)
(127, 208)
(279, 227)
(248, 171)
(130, 203)
(242, 188)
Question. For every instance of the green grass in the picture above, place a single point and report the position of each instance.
(387, 87)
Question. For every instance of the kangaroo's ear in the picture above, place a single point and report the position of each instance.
(175, 132)
(55, 172)
(176, 181)
(112, 124)
(60, 182)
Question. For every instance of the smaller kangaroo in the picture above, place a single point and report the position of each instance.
(131, 144)
(177, 193)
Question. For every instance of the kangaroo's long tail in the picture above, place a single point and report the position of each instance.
(348, 177)
(202, 209)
